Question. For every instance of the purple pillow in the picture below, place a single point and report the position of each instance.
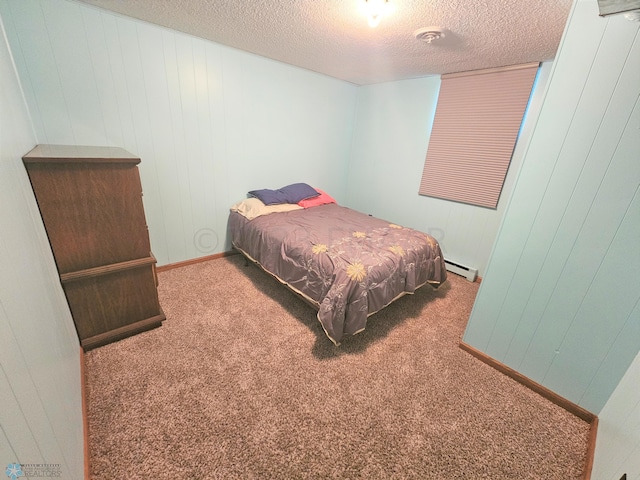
(268, 197)
(293, 193)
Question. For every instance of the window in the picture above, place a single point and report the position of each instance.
(474, 132)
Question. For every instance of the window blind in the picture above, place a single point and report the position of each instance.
(474, 132)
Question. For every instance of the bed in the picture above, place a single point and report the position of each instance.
(346, 264)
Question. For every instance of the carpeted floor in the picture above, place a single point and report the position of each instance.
(240, 382)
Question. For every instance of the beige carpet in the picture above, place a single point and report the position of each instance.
(240, 382)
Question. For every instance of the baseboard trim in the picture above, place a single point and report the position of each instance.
(550, 395)
(170, 266)
(85, 418)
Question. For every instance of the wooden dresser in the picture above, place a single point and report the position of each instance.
(90, 199)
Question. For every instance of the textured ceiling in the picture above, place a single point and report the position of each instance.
(333, 37)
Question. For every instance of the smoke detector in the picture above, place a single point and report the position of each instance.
(428, 34)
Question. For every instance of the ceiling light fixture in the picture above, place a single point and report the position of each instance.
(428, 34)
(375, 9)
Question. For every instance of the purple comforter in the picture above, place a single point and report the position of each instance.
(350, 265)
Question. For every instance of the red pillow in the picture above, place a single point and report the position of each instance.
(321, 199)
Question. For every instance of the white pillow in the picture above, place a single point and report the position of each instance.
(251, 208)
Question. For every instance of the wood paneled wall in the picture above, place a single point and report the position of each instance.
(40, 379)
(560, 302)
(209, 122)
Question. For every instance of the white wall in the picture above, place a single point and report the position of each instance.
(618, 442)
(209, 122)
(391, 135)
(40, 383)
(560, 301)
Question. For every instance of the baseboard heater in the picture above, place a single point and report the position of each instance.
(459, 269)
